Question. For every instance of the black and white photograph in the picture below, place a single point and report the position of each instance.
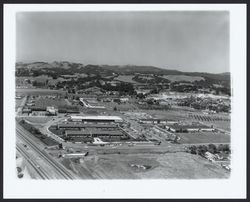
(132, 95)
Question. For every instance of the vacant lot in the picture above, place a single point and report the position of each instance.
(199, 137)
(173, 78)
(146, 166)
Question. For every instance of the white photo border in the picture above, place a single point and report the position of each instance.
(234, 187)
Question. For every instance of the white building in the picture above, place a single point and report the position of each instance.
(96, 118)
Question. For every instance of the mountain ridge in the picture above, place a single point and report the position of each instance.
(126, 69)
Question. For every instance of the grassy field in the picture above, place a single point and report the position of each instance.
(169, 114)
(196, 138)
(173, 78)
(178, 165)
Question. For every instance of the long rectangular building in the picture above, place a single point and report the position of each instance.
(97, 119)
(93, 133)
(82, 125)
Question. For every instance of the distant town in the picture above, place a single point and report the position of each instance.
(76, 121)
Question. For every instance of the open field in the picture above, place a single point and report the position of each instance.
(44, 102)
(38, 120)
(175, 114)
(203, 137)
(38, 91)
(120, 107)
(173, 78)
(179, 165)
(126, 78)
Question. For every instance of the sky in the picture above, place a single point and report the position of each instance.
(192, 41)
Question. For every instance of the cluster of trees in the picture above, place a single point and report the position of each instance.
(185, 87)
(155, 79)
(22, 72)
(202, 104)
(30, 128)
(154, 104)
(202, 149)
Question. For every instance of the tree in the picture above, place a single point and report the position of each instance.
(115, 108)
(141, 96)
(150, 102)
(193, 149)
(202, 149)
(212, 148)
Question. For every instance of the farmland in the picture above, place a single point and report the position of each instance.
(220, 121)
(174, 78)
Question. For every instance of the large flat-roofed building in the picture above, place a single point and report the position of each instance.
(96, 119)
(86, 125)
(93, 133)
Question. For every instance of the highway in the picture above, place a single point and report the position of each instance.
(39, 170)
(55, 166)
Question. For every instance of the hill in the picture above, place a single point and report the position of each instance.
(64, 67)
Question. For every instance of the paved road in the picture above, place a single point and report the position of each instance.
(51, 162)
(33, 163)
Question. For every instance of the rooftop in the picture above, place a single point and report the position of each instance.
(72, 125)
(94, 132)
(116, 118)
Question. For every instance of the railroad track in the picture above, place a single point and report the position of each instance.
(54, 164)
(39, 170)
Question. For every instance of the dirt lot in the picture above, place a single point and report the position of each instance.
(150, 166)
(201, 137)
